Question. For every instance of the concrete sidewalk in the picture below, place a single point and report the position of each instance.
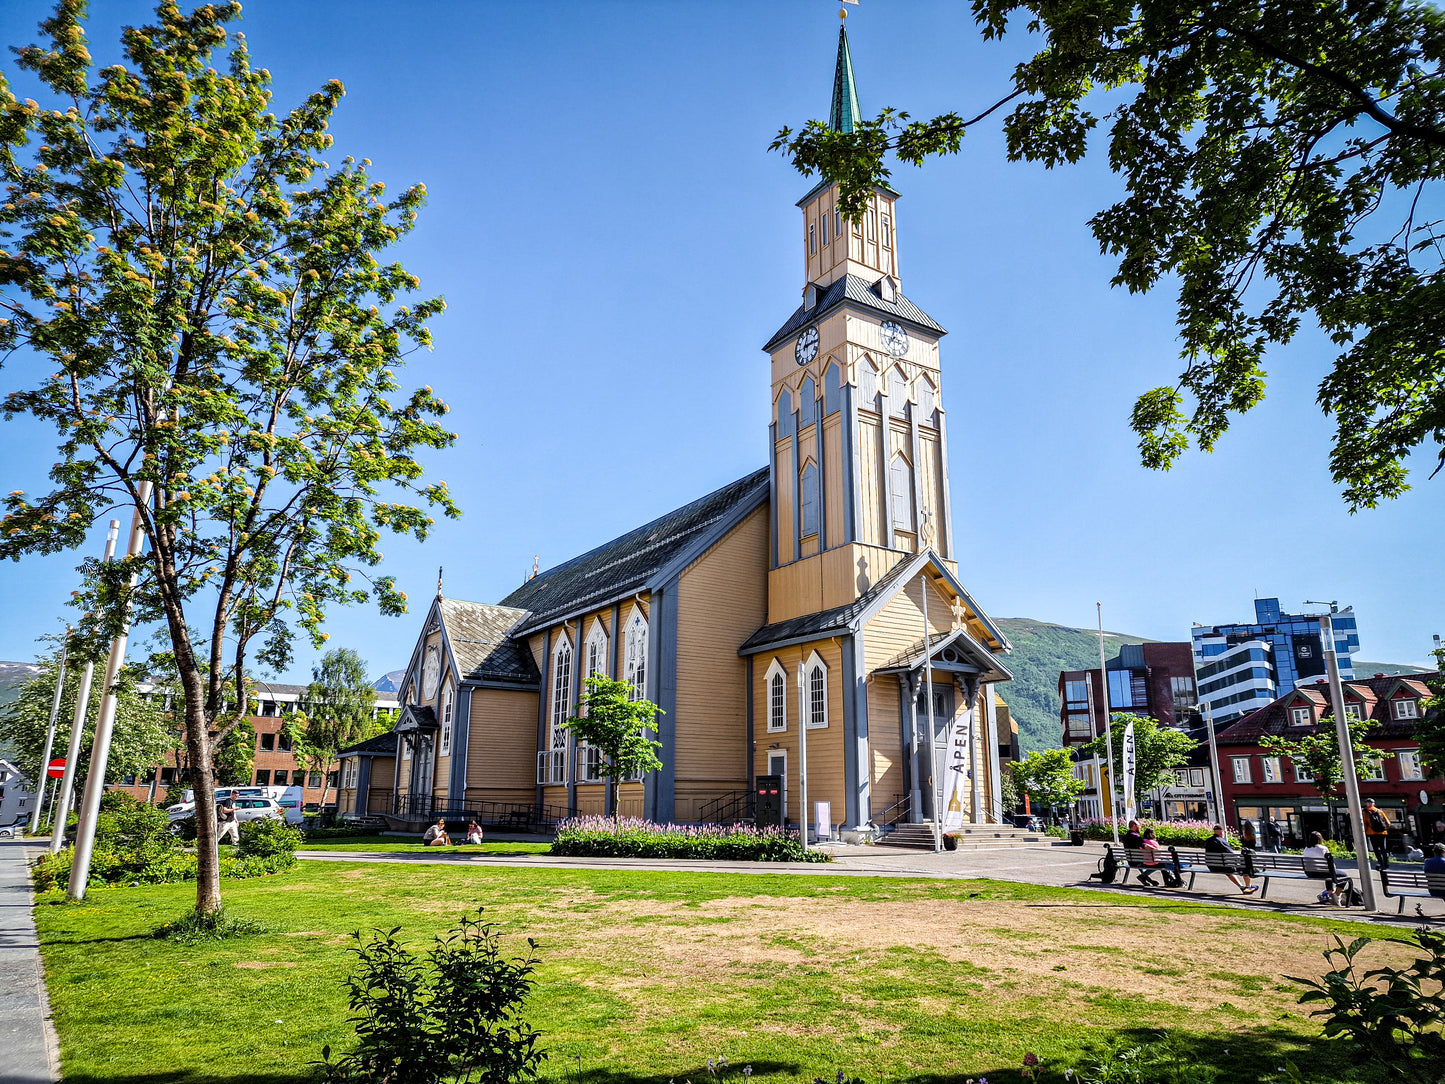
(1061, 866)
(27, 1042)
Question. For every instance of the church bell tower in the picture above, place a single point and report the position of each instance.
(859, 455)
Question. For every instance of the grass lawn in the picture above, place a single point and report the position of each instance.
(395, 844)
(646, 975)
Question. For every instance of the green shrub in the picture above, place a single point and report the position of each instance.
(152, 866)
(268, 837)
(630, 837)
(453, 1014)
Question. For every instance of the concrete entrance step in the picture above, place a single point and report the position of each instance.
(969, 837)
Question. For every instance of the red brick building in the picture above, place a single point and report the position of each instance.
(274, 759)
(1260, 785)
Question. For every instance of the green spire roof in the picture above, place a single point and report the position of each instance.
(845, 113)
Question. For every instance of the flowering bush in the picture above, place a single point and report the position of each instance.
(1183, 833)
(632, 837)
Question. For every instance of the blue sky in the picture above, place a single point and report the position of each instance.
(615, 244)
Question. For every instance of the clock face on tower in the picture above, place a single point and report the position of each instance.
(895, 339)
(429, 674)
(806, 348)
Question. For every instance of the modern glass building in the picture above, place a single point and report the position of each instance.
(1241, 668)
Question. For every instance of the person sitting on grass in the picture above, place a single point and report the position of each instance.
(474, 832)
(1337, 890)
(1219, 844)
(436, 835)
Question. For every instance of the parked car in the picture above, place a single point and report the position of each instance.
(1028, 822)
(13, 831)
(183, 816)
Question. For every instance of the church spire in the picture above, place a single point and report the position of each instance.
(845, 112)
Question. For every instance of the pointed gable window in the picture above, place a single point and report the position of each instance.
(808, 487)
(817, 692)
(832, 389)
(927, 400)
(897, 394)
(807, 402)
(900, 484)
(867, 385)
(446, 736)
(785, 414)
(777, 686)
(597, 651)
(812, 239)
(561, 691)
(635, 649)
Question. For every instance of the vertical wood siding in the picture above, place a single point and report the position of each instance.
(502, 740)
(885, 742)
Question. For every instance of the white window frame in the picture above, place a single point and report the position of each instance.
(635, 652)
(777, 720)
(1354, 710)
(837, 222)
(816, 682)
(448, 703)
(1269, 770)
(597, 651)
(589, 764)
(561, 691)
(885, 231)
(552, 767)
(1406, 707)
(1376, 773)
(823, 219)
(812, 239)
(1300, 715)
(1241, 769)
(1410, 767)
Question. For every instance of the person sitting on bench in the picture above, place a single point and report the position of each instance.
(1218, 844)
(1435, 864)
(1341, 886)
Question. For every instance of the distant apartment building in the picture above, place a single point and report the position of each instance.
(1156, 680)
(17, 798)
(1245, 667)
(274, 763)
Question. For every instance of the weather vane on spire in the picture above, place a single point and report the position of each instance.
(439, 581)
(843, 11)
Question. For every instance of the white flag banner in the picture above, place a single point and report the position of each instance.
(957, 776)
(1129, 772)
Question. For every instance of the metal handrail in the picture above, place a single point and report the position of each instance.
(729, 808)
(496, 814)
(891, 815)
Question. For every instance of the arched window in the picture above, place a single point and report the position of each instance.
(777, 686)
(867, 385)
(561, 691)
(635, 650)
(817, 674)
(446, 741)
(897, 394)
(808, 488)
(900, 486)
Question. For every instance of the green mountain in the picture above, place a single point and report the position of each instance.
(1365, 669)
(1041, 650)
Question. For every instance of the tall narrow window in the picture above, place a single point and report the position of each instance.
(635, 648)
(817, 693)
(897, 394)
(808, 484)
(900, 484)
(927, 400)
(872, 219)
(597, 651)
(812, 239)
(446, 743)
(887, 232)
(561, 692)
(777, 681)
(837, 222)
(867, 385)
(825, 227)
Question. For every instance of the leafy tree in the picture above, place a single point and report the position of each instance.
(339, 702)
(1158, 751)
(1430, 730)
(1319, 754)
(217, 347)
(610, 720)
(1047, 777)
(1008, 791)
(1280, 162)
(234, 755)
(142, 735)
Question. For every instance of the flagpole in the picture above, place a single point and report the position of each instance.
(1108, 730)
(932, 739)
(802, 757)
(50, 732)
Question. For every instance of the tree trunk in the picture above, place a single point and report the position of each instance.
(326, 786)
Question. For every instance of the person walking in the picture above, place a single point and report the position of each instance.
(1218, 843)
(227, 824)
(1272, 834)
(1377, 831)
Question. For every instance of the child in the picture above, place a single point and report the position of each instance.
(474, 832)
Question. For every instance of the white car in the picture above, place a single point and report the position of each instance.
(247, 809)
(13, 831)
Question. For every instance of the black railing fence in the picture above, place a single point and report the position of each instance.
(519, 816)
(890, 816)
(734, 807)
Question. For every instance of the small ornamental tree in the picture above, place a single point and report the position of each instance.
(196, 304)
(1048, 778)
(1319, 754)
(339, 704)
(1158, 751)
(611, 721)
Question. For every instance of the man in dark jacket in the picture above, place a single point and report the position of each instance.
(1219, 844)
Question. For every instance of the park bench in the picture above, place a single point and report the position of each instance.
(1144, 861)
(1402, 883)
(1263, 865)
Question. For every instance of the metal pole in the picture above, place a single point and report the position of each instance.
(936, 789)
(1108, 729)
(802, 758)
(50, 732)
(1347, 765)
(77, 725)
(104, 724)
(1214, 765)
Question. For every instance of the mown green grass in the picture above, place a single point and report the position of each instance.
(400, 845)
(645, 975)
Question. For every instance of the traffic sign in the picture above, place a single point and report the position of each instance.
(56, 768)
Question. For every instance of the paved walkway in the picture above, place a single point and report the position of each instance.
(27, 1042)
(1058, 865)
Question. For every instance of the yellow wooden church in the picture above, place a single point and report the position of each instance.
(820, 592)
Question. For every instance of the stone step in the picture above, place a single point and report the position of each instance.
(968, 837)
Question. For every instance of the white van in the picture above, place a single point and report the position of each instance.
(288, 798)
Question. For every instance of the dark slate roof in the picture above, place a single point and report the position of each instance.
(827, 622)
(483, 650)
(380, 746)
(1373, 694)
(626, 564)
(852, 289)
